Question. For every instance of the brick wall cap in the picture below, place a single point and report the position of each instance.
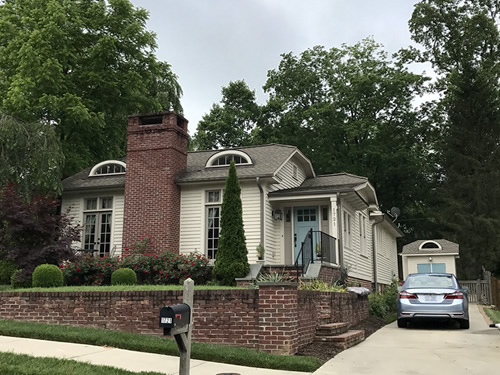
(289, 284)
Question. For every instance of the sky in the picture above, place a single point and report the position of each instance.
(209, 43)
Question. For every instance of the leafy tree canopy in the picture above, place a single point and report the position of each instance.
(30, 157)
(461, 39)
(83, 66)
(229, 124)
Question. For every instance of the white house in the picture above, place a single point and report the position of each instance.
(436, 256)
(175, 196)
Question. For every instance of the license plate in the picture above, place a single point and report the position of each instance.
(429, 298)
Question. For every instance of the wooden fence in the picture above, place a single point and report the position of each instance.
(495, 292)
(479, 291)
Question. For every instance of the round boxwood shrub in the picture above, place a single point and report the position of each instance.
(16, 280)
(47, 276)
(124, 276)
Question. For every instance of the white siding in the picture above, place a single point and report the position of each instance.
(286, 177)
(412, 261)
(359, 265)
(387, 261)
(118, 210)
(192, 221)
(193, 230)
(73, 203)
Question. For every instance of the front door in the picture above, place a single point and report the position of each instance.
(305, 219)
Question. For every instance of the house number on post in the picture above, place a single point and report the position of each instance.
(176, 321)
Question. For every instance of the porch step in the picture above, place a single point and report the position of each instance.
(344, 340)
(331, 329)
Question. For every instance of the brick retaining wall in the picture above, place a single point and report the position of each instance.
(275, 318)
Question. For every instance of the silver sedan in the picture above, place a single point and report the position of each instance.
(432, 296)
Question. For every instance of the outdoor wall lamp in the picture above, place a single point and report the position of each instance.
(430, 259)
(277, 214)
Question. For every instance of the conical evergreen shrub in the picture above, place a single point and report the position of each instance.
(231, 260)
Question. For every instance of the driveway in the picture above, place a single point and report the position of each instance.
(427, 348)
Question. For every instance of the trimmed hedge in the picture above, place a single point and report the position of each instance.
(47, 276)
(123, 276)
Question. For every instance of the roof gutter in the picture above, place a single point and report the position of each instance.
(379, 217)
(262, 202)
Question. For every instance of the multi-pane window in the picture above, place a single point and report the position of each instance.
(347, 230)
(306, 214)
(97, 219)
(362, 233)
(111, 168)
(213, 210)
(226, 160)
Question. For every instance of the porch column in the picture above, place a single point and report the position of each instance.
(334, 225)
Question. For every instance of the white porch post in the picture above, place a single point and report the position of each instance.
(334, 225)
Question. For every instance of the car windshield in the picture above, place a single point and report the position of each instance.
(430, 281)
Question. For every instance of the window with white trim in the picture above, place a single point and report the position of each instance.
(362, 234)
(109, 167)
(347, 230)
(213, 201)
(224, 158)
(97, 224)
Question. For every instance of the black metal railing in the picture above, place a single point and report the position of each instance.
(316, 247)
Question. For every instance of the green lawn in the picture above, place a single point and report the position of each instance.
(160, 345)
(8, 288)
(493, 314)
(20, 364)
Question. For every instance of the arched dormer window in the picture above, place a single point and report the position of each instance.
(224, 158)
(108, 167)
(430, 245)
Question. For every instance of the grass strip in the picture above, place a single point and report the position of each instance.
(152, 344)
(493, 314)
(22, 364)
(114, 288)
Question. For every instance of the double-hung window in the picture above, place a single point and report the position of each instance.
(347, 230)
(213, 202)
(362, 234)
(97, 218)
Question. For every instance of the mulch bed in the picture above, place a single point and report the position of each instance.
(326, 351)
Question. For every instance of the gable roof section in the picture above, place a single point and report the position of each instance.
(447, 247)
(324, 184)
(82, 181)
(266, 159)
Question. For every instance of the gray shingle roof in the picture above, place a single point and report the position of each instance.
(266, 160)
(448, 247)
(338, 182)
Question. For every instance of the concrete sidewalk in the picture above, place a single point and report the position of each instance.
(125, 359)
(425, 349)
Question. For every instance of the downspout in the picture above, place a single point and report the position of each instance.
(379, 215)
(341, 239)
(262, 232)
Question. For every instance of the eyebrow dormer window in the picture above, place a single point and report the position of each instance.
(430, 245)
(108, 168)
(224, 158)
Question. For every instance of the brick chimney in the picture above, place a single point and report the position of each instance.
(156, 154)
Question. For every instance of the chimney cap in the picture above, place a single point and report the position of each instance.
(181, 117)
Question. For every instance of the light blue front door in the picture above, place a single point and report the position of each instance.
(305, 219)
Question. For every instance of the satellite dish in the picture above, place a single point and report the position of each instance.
(395, 212)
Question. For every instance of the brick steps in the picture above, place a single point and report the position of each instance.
(338, 335)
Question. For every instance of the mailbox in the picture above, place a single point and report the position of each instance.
(175, 316)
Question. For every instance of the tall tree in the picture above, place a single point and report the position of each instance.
(462, 41)
(83, 66)
(229, 124)
(30, 157)
(231, 260)
(351, 109)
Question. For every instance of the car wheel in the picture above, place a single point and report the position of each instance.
(402, 323)
(464, 324)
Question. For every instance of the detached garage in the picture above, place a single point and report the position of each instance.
(435, 256)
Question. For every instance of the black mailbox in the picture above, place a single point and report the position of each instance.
(175, 316)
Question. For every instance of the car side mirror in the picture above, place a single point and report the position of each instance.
(465, 289)
(400, 288)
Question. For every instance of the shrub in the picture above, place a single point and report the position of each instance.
(123, 276)
(231, 260)
(7, 268)
(321, 286)
(47, 276)
(166, 267)
(385, 303)
(17, 282)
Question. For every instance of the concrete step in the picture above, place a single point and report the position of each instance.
(344, 340)
(331, 329)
